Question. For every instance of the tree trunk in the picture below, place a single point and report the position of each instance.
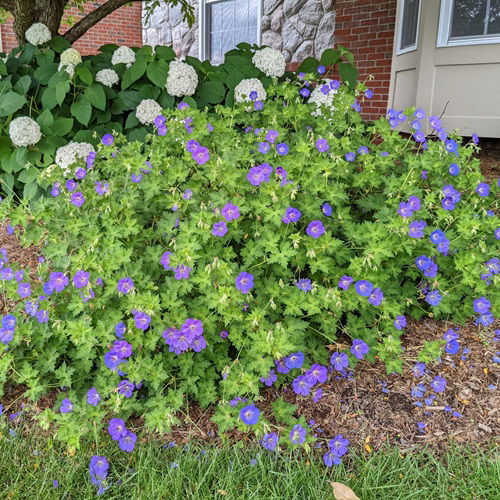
(28, 12)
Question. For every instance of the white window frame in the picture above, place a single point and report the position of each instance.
(444, 40)
(203, 49)
(413, 47)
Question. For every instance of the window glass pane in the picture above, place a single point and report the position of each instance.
(494, 18)
(409, 24)
(468, 18)
(229, 22)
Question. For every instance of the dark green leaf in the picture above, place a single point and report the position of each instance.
(45, 72)
(59, 44)
(23, 84)
(309, 65)
(11, 102)
(95, 95)
(330, 57)
(82, 111)
(348, 73)
(133, 73)
(157, 73)
(85, 74)
(212, 91)
(62, 126)
(165, 53)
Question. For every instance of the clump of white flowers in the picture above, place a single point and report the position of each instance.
(38, 34)
(69, 59)
(24, 131)
(108, 77)
(245, 87)
(323, 95)
(71, 153)
(182, 79)
(123, 55)
(147, 111)
(270, 61)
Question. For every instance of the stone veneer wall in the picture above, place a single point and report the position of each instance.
(298, 28)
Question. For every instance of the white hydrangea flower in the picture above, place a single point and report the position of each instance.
(24, 131)
(38, 34)
(71, 56)
(182, 79)
(270, 61)
(319, 98)
(71, 153)
(147, 111)
(108, 77)
(123, 55)
(69, 68)
(243, 89)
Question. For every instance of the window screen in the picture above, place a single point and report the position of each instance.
(409, 24)
(475, 18)
(228, 23)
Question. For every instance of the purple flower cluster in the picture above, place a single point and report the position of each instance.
(199, 153)
(482, 307)
(451, 197)
(337, 448)
(365, 288)
(303, 384)
(180, 272)
(118, 432)
(427, 266)
(407, 208)
(189, 336)
(259, 174)
(118, 354)
(442, 243)
(7, 330)
(98, 470)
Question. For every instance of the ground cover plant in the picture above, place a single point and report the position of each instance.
(272, 242)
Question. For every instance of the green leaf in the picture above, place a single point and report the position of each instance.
(62, 126)
(45, 120)
(3, 68)
(166, 100)
(61, 89)
(82, 111)
(309, 65)
(133, 73)
(330, 57)
(7, 179)
(132, 121)
(59, 44)
(212, 91)
(138, 134)
(157, 73)
(11, 102)
(348, 73)
(85, 74)
(49, 98)
(95, 95)
(23, 84)
(165, 53)
(44, 72)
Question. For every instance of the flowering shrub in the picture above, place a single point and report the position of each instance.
(222, 253)
(75, 99)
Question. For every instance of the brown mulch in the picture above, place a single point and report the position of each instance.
(371, 408)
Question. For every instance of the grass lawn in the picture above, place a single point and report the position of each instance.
(30, 464)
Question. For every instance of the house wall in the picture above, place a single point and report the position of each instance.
(298, 28)
(367, 27)
(459, 82)
(122, 27)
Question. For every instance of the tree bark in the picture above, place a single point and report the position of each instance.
(81, 27)
(28, 12)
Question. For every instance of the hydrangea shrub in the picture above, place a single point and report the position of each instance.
(224, 252)
(68, 98)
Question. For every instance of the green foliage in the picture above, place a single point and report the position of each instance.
(73, 108)
(125, 233)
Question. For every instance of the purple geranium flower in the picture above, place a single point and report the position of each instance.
(125, 285)
(345, 282)
(298, 434)
(363, 288)
(339, 360)
(230, 212)
(93, 397)
(77, 199)
(359, 348)
(219, 228)
(250, 414)
(244, 282)
(315, 229)
(66, 406)
(270, 441)
(127, 442)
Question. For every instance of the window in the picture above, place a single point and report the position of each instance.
(409, 17)
(226, 23)
(469, 22)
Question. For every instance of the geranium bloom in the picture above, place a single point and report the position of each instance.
(101, 188)
(482, 305)
(77, 199)
(418, 369)
(345, 282)
(250, 415)
(350, 157)
(125, 285)
(81, 279)
(416, 229)
(125, 388)
(433, 298)
(66, 406)
(483, 189)
(315, 229)
(327, 209)
(182, 272)
(363, 288)
(322, 145)
(57, 281)
(294, 360)
(127, 442)
(219, 228)
(270, 379)
(339, 360)
(376, 297)
(330, 459)
(93, 397)
(244, 282)
(107, 139)
(201, 155)
(359, 348)
(270, 441)
(230, 212)
(165, 261)
(142, 320)
(317, 374)
(438, 384)
(24, 290)
(400, 322)
(301, 385)
(298, 434)
(304, 284)
(338, 445)
(291, 215)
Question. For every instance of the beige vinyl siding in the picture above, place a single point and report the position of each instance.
(462, 81)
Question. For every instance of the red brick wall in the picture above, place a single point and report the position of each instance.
(123, 27)
(367, 27)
